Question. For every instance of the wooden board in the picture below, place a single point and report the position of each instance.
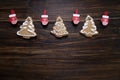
(71, 58)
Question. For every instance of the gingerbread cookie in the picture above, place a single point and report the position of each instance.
(59, 30)
(27, 29)
(89, 29)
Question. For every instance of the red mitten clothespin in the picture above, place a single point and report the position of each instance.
(76, 17)
(105, 19)
(12, 17)
(44, 18)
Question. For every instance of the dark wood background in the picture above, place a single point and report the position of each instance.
(71, 58)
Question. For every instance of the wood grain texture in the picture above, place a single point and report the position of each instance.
(71, 58)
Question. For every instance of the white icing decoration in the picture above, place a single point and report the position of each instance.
(12, 15)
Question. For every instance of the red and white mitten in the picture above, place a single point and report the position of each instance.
(44, 18)
(105, 19)
(12, 17)
(76, 17)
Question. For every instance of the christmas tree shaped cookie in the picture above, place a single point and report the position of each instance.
(27, 29)
(89, 29)
(59, 30)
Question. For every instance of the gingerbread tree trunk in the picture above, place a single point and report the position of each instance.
(89, 29)
(59, 30)
(27, 29)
